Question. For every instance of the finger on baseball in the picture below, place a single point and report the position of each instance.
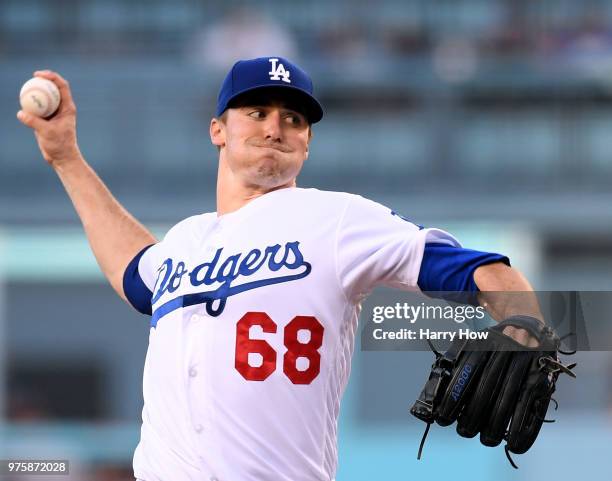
(30, 120)
(66, 101)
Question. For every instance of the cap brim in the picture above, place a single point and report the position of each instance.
(311, 106)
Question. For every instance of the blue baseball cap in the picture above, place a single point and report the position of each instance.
(269, 73)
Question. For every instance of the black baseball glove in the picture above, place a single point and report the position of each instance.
(495, 386)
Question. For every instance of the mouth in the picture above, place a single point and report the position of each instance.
(279, 148)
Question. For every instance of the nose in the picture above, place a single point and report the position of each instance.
(273, 127)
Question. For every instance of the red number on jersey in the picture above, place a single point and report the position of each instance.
(295, 348)
(246, 345)
(308, 350)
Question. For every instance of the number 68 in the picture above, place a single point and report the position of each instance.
(295, 348)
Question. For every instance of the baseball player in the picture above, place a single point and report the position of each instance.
(253, 308)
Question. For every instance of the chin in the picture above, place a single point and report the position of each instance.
(272, 170)
(269, 176)
(269, 180)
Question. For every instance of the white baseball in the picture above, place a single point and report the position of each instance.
(39, 97)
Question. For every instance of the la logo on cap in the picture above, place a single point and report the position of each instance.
(278, 71)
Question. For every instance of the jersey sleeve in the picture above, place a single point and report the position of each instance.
(140, 276)
(450, 268)
(376, 246)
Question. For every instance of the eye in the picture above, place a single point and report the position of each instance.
(295, 119)
(257, 114)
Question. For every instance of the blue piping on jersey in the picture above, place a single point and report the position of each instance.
(393, 212)
(221, 294)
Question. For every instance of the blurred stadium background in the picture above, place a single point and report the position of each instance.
(490, 118)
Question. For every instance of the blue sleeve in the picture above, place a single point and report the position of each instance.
(449, 268)
(135, 290)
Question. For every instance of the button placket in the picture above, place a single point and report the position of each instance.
(193, 367)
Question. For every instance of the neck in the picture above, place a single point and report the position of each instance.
(233, 193)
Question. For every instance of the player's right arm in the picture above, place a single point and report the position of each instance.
(114, 235)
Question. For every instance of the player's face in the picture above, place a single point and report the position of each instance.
(264, 143)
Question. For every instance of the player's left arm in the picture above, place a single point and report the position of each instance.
(505, 292)
(487, 278)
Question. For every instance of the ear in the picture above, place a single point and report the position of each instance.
(309, 139)
(217, 132)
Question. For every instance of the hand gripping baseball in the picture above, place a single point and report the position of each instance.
(56, 135)
(496, 387)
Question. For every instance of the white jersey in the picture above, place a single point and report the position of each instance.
(252, 332)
